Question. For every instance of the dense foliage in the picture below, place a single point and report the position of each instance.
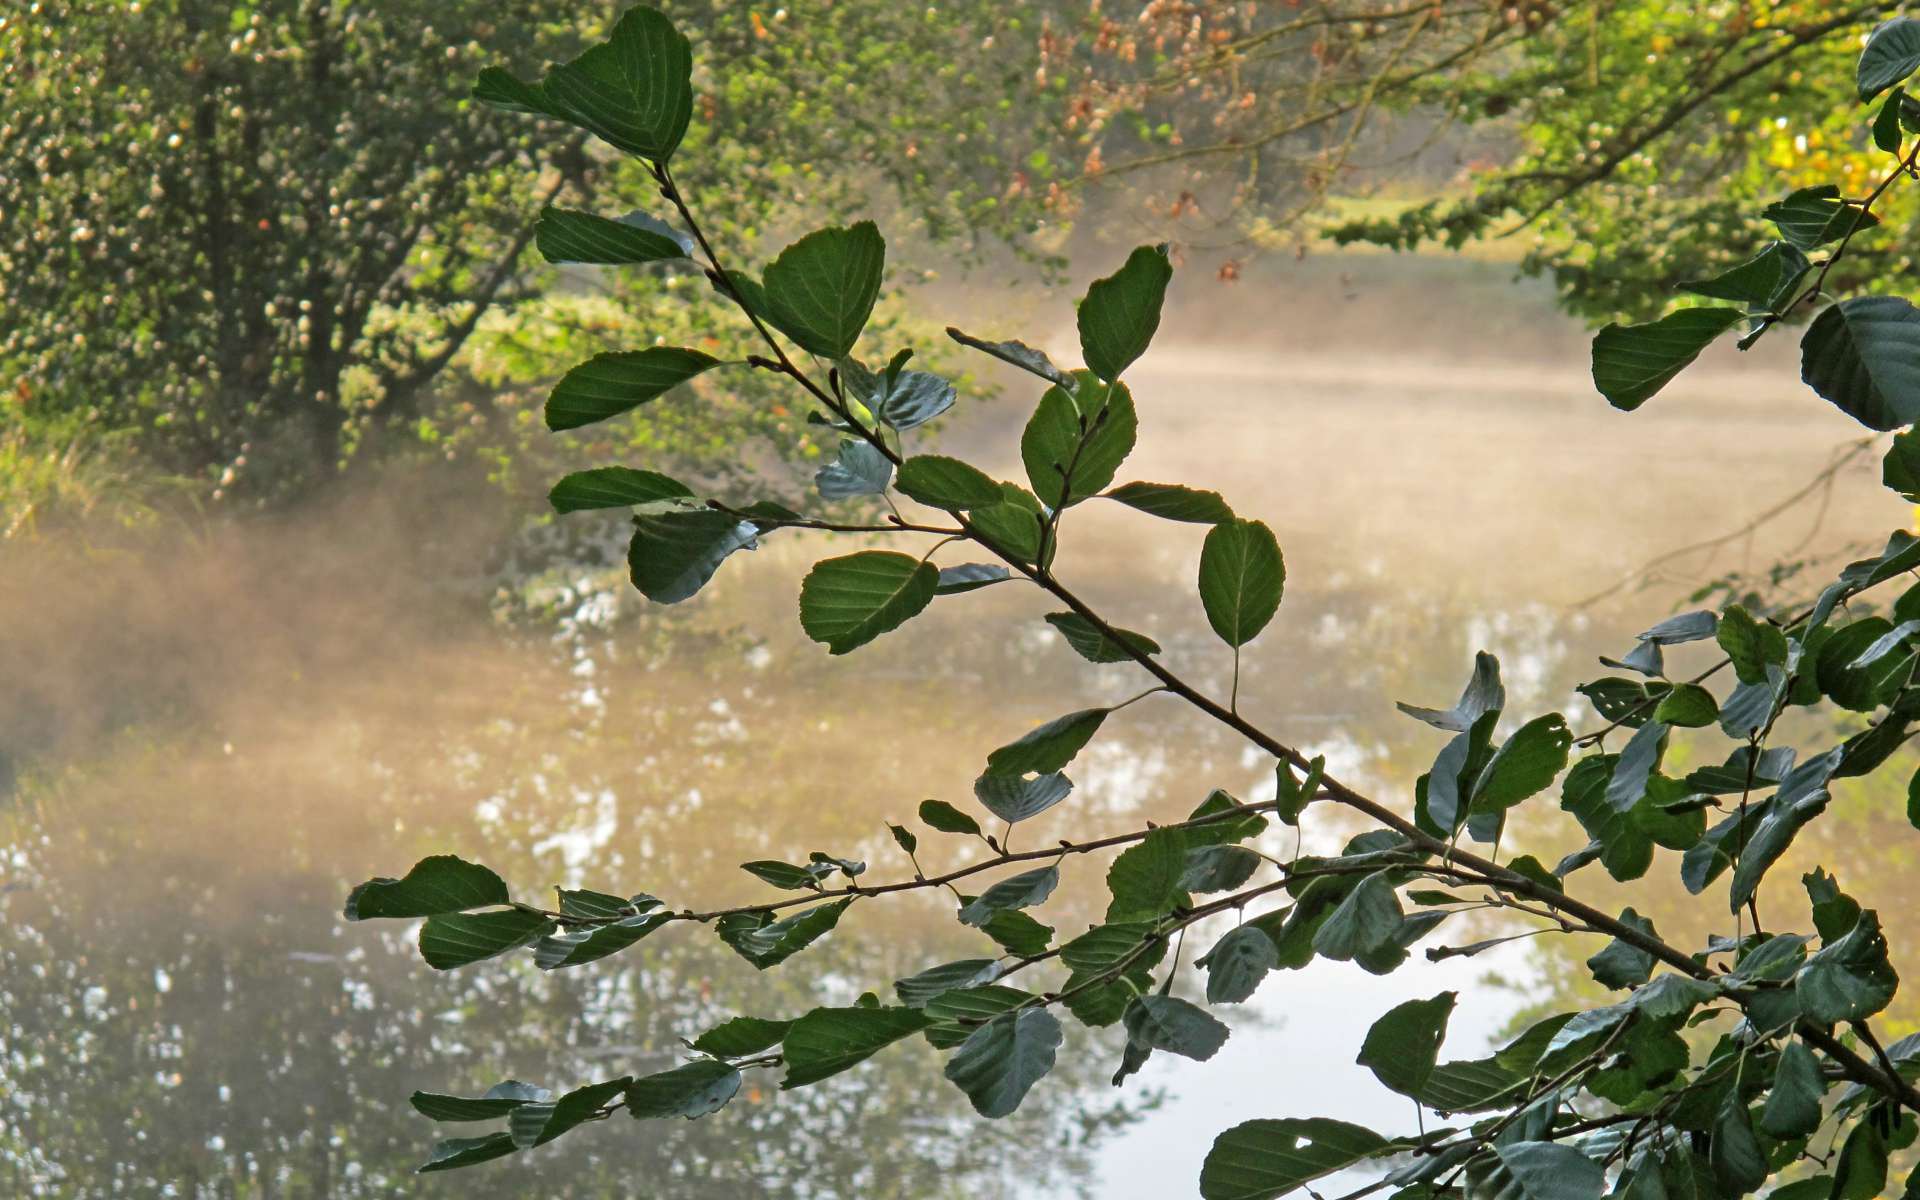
(1632, 145)
(269, 236)
(1712, 1069)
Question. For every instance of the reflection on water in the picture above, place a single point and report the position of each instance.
(216, 734)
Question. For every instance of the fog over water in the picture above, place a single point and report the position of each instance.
(207, 735)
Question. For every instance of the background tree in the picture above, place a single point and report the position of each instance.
(262, 234)
(1629, 146)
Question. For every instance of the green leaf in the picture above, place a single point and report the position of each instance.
(537, 1124)
(1105, 947)
(673, 554)
(440, 884)
(1851, 979)
(942, 482)
(901, 399)
(1242, 577)
(1217, 868)
(1001, 1060)
(1018, 933)
(1793, 1107)
(1764, 281)
(821, 289)
(1259, 1160)
(1483, 694)
(1551, 1171)
(847, 602)
(858, 470)
(1120, 313)
(577, 946)
(1802, 797)
(1814, 216)
(696, 1089)
(741, 1036)
(1892, 54)
(1075, 441)
(1018, 354)
(1013, 525)
(1015, 798)
(765, 942)
(938, 814)
(609, 384)
(1365, 920)
(1752, 644)
(1237, 963)
(1621, 964)
(633, 91)
(1863, 355)
(828, 1041)
(1014, 892)
(1900, 469)
(959, 1013)
(599, 906)
(1862, 1172)
(1145, 878)
(496, 1101)
(1526, 765)
(1402, 1047)
(1094, 645)
(1632, 362)
(566, 236)
(613, 487)
(1232, 823)
(1739, 1164)
(785, 875)
(1048, 747)
(453, 1153)
(915, 990)
(1177, 1026)
(1688, 706)
(969, 577)
(450, 940)
(1172, 502)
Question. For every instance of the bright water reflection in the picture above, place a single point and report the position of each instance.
(217, 735)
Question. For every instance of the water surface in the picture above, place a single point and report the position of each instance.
(216, 732)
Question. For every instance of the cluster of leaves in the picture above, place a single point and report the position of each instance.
(1711, 1072)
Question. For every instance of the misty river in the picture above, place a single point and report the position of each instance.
(207, 735)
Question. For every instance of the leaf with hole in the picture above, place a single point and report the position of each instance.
(1014, 798)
